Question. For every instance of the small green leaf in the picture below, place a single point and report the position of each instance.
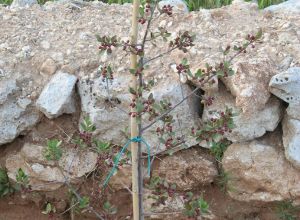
(184, 61)
(173, 186)
(163, 141)
(236, 48)
(141, 11)
(84, 202)
(139, 107)
(199, 73)
(190, 73)
(132, 71)
(53, 150)
(106, 205)
(132, 91)
(98, 38)
(259, 34)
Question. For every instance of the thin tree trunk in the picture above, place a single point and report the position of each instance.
(133, 121)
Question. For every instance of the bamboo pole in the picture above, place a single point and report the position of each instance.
(133, 122)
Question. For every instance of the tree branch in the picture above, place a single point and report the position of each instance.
(160, 55)
(179, 103)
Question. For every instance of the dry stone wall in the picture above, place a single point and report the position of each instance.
(45, 49)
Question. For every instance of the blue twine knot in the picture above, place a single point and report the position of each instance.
(136, 139)
(116, 163)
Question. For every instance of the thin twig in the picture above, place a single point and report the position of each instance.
(160, 55)
(69, 208)
(60, 128)
(176, 105)
(79, 198)
(194, 91)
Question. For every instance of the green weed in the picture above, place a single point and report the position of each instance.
(285, 210)
(5, 186)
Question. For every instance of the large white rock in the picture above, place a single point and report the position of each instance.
(291, 140)
(286, 86)
(247, 126)
(58, 96)
(23, 3)
(259, 171)
(17, 113)
(290, 6)
(250, 82)
(111, 122)
(45, 175)
(190, 169)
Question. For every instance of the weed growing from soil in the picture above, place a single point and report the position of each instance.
(285, 210)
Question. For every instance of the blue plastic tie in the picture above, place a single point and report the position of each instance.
(137, 140)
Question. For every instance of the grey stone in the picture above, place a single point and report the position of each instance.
(58, 96)
(111, 122)
(258, 171)
(248, 126)
(45, 175)
(286, 86)
(17, 114)
(190, 169)
(291, 140)
(23, 3)
(290, 6)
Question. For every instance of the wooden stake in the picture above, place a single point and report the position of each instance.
(133, 122)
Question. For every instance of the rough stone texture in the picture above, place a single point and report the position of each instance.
(48, 67)
(247, 126)
(60, 37)
(44, 175)
(286, 86)
(17, 114)
(172, 209)
(111, 121)
(173, 206)
(259, 171)
(291, 6)
(68, 39)
(58, 96)
(189, 169)
(291, 140)
(250, 82)
(22, 3)
(122, 179)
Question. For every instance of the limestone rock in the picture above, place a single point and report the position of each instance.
(290, 6)
(43, 174)
(259, 171)
(189, 169)
(58, 96)
(174, 206)
(23, 3)
(25, 32)
(247, 126)
(112, 120)
(17, 113)
(122, 179)
(48, 67)
(250, 82)
(291, 140)
(286, 86)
